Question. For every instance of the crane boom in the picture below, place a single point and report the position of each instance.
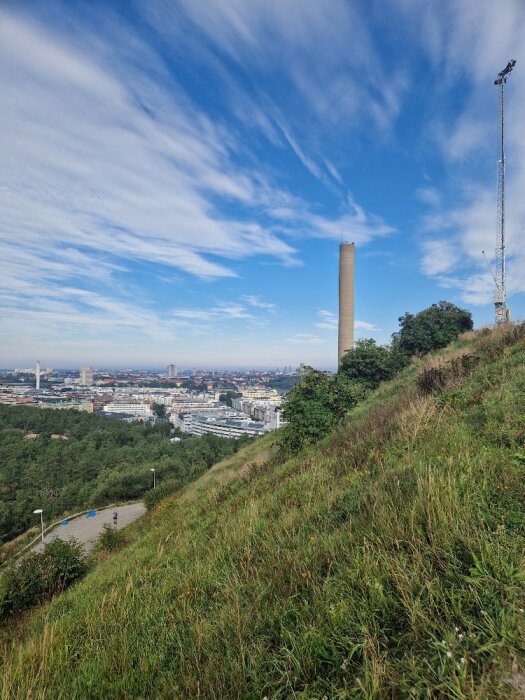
(500, 293)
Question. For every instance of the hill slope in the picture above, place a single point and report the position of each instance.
(386, 562)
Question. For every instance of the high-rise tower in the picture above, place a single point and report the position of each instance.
(37, 375)
(86, 376)
(346, 298)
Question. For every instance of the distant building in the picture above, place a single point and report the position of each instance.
(171, 371)
(86, 376)
(132, 408)
(83, 406)
(37, 375)
(230, 424)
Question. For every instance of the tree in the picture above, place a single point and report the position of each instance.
(307, 410)
(345, 393)
(159, 410)
(314, 405)
(228, 397)
(430, 329)
(368, 363)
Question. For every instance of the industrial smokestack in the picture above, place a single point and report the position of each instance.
(346, 298)
(37, 375)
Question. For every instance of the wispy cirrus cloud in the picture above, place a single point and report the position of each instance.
(108, 164)
(305, 339)
(329, 321)
(257, 302)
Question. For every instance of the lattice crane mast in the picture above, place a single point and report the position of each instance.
(500, 293)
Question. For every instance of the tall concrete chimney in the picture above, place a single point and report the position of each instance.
(346, 298)
(37, 375)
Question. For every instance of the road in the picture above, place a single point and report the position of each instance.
(86, 529)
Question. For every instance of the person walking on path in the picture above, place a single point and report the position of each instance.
(115, 516)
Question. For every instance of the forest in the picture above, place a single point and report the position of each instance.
(94, 462)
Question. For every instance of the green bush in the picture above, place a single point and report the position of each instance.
(430, 329)
(318, 401)
(110, 539)
(153, 496)
(39, 576)
(368, 363)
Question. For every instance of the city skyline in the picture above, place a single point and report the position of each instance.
(177, 177)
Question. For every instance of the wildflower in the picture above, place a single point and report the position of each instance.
(443, 642)
(456, 629)
(449, 654)
(312, 538)
(460, 636)
(344, 665)
(521, 610)
(462, 660)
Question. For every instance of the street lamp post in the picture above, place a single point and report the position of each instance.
(39, 510)
(154, 480)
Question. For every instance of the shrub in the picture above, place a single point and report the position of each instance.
(39, 576)
(110, 539)
(368, 363)
(308, 410)
(430, 329)
(153, 496)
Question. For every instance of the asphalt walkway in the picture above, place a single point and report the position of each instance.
(86, 529)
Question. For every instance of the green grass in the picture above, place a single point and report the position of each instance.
(385, 562)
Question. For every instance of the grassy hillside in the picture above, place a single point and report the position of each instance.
(385, 562)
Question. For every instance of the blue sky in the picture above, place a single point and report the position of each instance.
(176, 175)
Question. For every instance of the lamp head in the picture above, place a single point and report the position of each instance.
(38, 510)
(502, 75)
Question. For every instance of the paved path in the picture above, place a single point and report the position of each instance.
(86, 530)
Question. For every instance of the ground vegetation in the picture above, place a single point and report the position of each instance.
(385, 561)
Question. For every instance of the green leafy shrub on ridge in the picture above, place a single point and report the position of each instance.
(318, 402)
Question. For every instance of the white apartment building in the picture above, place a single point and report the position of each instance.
(255, 393)
(132, 407)
(202, 424)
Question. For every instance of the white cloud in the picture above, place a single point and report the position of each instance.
(366, 326)
(428, 195)
(328, 320)
(106, 164)
(468, 43)
(439, 257)
(322, 55)
(221, 311)
(256, 302)
(304, 339)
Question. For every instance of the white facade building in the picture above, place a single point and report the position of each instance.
(227, 423)
(86, 376)
(131, 407)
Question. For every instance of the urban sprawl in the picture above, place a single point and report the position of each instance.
(226, 403)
